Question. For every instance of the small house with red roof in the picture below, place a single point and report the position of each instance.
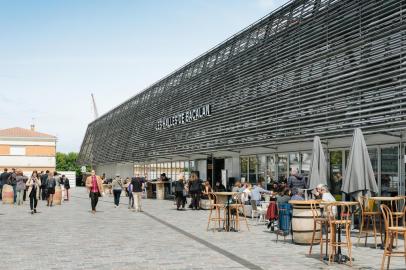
(27, 149)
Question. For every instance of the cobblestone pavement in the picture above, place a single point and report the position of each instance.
(70, 237)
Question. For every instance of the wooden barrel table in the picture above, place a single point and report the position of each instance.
(57, 196)
(8, 194)
(302, 223)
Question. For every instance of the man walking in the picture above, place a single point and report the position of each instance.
(138, 187)
(12, 180)
(3, 181)
(44, 180)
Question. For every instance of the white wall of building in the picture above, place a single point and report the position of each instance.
(202, 168)
(27, 161)
(112, 169)
(27, 142)
(232, 165)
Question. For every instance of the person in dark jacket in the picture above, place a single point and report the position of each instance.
(44, 179)
(219, 187)
(138, 187)
(66, 185)
(12, 181)
(51, 184)
(179, 188)
(195, 190)
(296, 181)
(3, 180)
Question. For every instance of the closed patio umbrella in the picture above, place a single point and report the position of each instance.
(359, 178)
(318, 173)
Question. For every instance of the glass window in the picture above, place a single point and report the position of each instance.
(262, 167)
(282, 167)
(306, 162)
(244, 168)
(373, 155)
(294, 161)
(270, 173)
(389, 171)
(336, 171)
(252, 169)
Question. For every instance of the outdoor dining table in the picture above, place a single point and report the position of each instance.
(227, 196)
(385, 200)
(339, 258)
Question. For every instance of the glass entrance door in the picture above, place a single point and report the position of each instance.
(390, 182)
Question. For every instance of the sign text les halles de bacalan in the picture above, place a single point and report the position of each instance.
(183, 118)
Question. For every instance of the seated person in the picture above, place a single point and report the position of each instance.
(284, 197)
(206, 190)
(297, 195)
(236, 187)
(219, 187)
(327, 196)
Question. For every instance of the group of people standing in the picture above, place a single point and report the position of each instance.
(133, 189)
(37, 186)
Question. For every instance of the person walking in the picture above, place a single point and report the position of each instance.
(94, 185)
(117, 186)
(66, 185)
(3, 181)
(179, 188)
(195, 189)
(51, 184)
(44, 180)
(130, 195)
(20, 187)
(33, 193)
(138, 187)
(12, 181)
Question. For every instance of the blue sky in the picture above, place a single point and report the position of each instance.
(53, 54)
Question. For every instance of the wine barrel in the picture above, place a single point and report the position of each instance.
(7, 194)
(302, 224)
(57, 196)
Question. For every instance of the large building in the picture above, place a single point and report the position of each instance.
(251, 106)
(27, 149)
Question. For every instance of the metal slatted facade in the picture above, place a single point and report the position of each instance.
(312, 67)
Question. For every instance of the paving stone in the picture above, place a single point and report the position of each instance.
(70, 237)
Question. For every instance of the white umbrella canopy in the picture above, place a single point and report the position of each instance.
(318, 173)
(359, 178)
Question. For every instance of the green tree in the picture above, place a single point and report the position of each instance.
(67, 162)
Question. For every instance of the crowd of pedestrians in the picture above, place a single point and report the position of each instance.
(35, 187)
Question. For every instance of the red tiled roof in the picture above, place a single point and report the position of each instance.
(22, 133)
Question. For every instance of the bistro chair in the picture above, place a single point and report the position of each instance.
(235, 210)
(398, 213)
(262, 212)
(368, 214)
(391, 233)
(341, 219)
(319, 222)
(217, 207)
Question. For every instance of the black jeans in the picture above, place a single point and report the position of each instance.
(117, 194)
(94, 199)
(33, 200)
(44, 193)
(195, 199)
(180, 199)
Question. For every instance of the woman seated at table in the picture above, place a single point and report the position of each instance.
(206, 190)
(236, 187)
(297, 195)
(326, 196)
(219, 187)
(283, 197)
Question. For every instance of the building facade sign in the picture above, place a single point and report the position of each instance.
(184, 117)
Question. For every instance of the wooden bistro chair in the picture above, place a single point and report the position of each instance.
(319, 222)
(391, 233)
(368, 214)
(218, 208)
(398, 213)
(235, 210)
(335, 220)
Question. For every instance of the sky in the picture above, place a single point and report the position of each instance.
(54, 54)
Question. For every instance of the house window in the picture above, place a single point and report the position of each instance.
(17, 150)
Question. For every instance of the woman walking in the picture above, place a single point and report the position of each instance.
(20, 187)
(117, 186)
(51, 184)
(195, 189)
(33, 185)
(130, 196)
(66, 185)
(94, 185)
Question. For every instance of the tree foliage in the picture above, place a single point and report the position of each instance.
(67, 162)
